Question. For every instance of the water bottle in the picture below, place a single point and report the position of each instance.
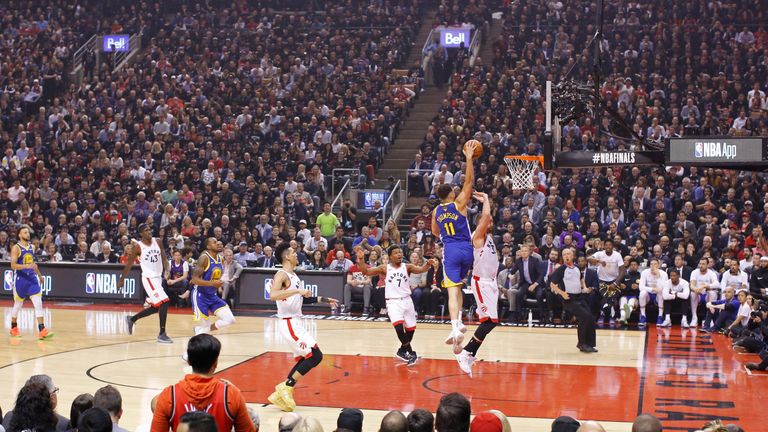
(530, 317)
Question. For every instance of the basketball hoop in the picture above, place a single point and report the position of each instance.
(521, 169)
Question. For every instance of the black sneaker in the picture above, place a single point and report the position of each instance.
(164, 339)
(753, 367)
(130, 323)
(403, 355)
(587, 349)
(413, 358)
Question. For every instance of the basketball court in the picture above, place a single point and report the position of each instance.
(531, 374)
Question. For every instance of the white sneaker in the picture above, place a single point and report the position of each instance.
(684, 322)
(201, 330)
(184, 355)
(449, 339)
(458, 338)
(465, 360)
(667, 322)
(694, 321)
(462, 327)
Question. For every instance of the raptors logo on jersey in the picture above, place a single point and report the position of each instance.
(150, 259)
(397, 283)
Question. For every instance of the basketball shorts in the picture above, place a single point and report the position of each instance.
(153, 286)
(298, 338)
(25, 287)
(206, 303)
(402, 311)
(457, 261)
(486, 292)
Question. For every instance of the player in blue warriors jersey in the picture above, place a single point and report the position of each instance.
(450, 222)
(27, 282)
(207, 281)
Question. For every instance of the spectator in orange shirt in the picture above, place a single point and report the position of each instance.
(201, 391)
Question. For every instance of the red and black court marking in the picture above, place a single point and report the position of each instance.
(686, 379)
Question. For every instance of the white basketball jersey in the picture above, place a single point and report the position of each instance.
(150, 259)
(486, 264)
(291, 307)
(397, 284)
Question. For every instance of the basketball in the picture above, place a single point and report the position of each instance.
(478, 148)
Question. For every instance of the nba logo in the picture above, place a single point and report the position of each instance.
(8, 280)
(90, 283)
(267, 288)
(698, 150)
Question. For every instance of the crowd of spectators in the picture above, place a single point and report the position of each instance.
(37, 402)
(669, 69)
(228, 124)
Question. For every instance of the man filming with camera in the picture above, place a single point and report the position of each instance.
(755, 337)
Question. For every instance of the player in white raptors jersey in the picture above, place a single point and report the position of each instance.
(397, 291)
(154, 266)
(287, 290)
(484, 287)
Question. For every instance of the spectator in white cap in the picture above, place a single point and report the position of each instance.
(304, 234)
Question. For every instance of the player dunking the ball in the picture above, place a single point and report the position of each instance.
(397, 291)
(484, 285)
(154, 265)
(287, 292)
(451, 224)
(207, 280)
(27, 283)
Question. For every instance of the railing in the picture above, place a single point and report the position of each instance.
(341, 192)
(352, 174)
(77, 58)
(134, 44)
(426, 57)
(393, 201)
(419, 178)
(474, 46)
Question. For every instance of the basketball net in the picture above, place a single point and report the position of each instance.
(521, 170)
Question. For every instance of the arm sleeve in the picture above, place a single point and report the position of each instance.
(713, 283)
(643, 286)
(686, 289)
(666, 293)
(161, 419)
(238, 407)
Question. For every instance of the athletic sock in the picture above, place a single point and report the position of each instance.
(145, 313)
(473, 346)
(290, 382)
(14, 324)
(40, 327)
(163, 316)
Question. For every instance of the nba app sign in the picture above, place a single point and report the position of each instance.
(268, 288)
(714, 150)
(106, 283)
(8, 283)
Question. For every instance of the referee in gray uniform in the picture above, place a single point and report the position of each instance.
(566, 282)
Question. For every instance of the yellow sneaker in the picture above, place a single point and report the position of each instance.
(277, 401)
(286, 394)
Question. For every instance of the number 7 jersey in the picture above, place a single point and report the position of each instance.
(454, 226)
